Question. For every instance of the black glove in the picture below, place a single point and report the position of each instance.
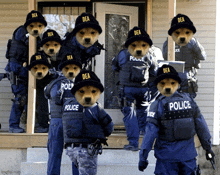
(142, 165)
(210, 155)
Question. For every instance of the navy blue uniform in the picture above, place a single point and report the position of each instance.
(191, 54)
(173, 121)
(83, 126)
(18, 54)
(71, 45)
(135, 76)
(57, 92)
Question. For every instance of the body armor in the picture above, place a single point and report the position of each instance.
(18, 49)
(132, 71)
(83, 125)
(62, 93)
(191, 54)
(177, 119)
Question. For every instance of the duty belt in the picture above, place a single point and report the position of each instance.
(82, 145)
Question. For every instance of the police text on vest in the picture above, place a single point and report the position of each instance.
(71, 108)
(179, 105)
(66, 86)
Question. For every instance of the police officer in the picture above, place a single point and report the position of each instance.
(135, 75)
(42, 119)
(192, 53)
(57, 92)
(173, 121)
(17, 53)
(85, 128)
(71, 44)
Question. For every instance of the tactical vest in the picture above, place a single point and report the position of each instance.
(55, 110)
(56, 103)
(78, 127)
(177, 120)
(135, 72)
(186, 54)
(18, 49)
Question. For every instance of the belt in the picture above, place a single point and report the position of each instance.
(83, 145)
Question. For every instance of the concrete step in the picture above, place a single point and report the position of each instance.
(112, 161)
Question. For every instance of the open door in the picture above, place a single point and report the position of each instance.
(116, 21)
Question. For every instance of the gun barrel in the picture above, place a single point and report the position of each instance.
(213, 164)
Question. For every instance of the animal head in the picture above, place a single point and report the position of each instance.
(167, 80)
(87, 36)
(87, 88)
(167, 86)
(138, 48)
(51, 48)
(87, 29)
(182, 36)
(35, 23)
(35, 28)
(87, 95)
(70, 71)
(39, 65)
(182, 29)
(51, 42)
(39, 71)
(138, 42)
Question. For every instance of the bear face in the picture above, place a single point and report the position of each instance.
(70, 71)
(182, 36)
(168, 86)
(138, 48)
(39, 71)
(87, 95)
(51, 48)
(87, 36)
(35, 28)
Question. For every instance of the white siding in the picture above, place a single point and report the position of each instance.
(203, 16)
(11, 17)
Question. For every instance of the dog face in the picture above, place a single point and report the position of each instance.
(167, 86)
(39, 71)
(70, 71)
(138, 48)
(87, 95)
(35, 28)
(182, 36)
(51, 48)
(87, 36)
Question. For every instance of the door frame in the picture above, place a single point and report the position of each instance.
(130, 11)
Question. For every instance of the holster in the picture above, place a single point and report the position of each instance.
(13, 78)
(95, 148)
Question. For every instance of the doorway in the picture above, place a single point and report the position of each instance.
(116, 21)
